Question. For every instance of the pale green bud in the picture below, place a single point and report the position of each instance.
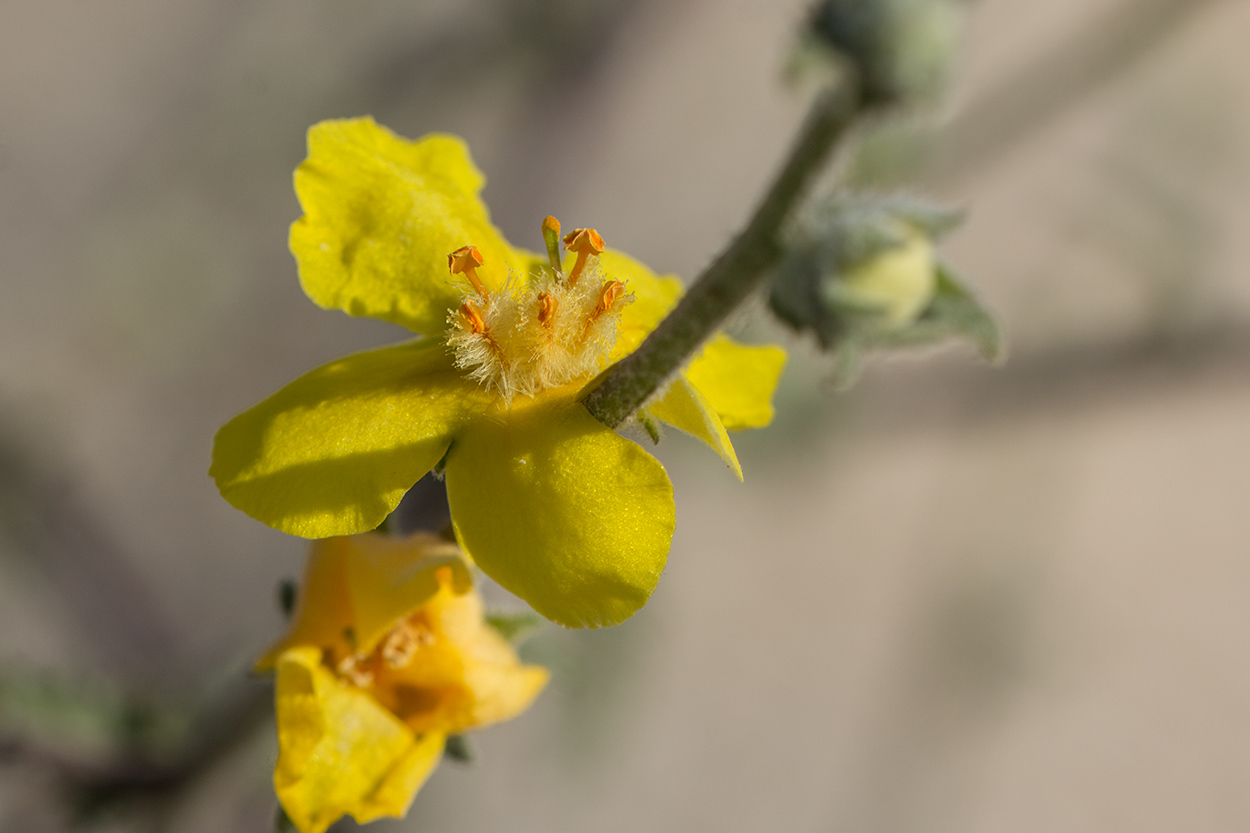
(860, 262)
(895, 286)
(861, 274)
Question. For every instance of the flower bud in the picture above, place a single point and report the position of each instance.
(860, 272)
(896, 285)
(902, 49)
(860, 262)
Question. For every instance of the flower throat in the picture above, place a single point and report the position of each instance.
(555, 330)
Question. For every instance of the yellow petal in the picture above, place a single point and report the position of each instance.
(365, 584)
(738, 380)
(654, 297)
(682, 406)
(381, 214)
(561, 510)
(470, 675)
(333, 452)
(502, 691)
(501, 686)
(339, 751)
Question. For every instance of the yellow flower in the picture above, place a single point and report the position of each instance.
(388, 654)
(559, 509)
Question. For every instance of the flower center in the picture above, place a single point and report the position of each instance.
(554, 330)
(396, 650)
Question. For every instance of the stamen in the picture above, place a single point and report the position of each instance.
(465, 260)
(585, 242)
(548, 330)
(608, 295)
(354, 668)
(548, 304)
(611, 293)
(551, 236)
(473, 316)
(403, 642)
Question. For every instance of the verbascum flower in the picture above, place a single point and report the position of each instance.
(388, 655)
(559, 509)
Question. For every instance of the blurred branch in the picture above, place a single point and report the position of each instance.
(1045, 89)
(107, 743)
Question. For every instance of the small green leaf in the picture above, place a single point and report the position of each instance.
(515, 626)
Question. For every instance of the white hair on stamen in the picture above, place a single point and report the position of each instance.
(520, 340)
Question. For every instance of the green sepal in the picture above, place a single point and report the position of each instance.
(288, 594)
(953, 312)
(648, 425)
(459, 749)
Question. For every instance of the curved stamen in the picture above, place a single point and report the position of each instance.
(585, 242)
(465, 261)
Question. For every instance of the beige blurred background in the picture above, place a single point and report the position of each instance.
(955, 599)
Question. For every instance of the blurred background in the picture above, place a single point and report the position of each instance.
(954, 599)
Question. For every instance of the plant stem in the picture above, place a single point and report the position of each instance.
(734, 275)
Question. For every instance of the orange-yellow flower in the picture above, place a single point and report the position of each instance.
(387, 655)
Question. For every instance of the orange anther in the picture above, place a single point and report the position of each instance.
(547, 306)
(611, 293)
(584, 239)
(464, 261)
(585, 242)
(473, 316)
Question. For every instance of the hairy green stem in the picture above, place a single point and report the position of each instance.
(735, 274)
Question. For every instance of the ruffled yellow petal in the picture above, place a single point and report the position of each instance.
(561, 510)
(339, 751)
(381, 214)
(683, 407)
(356, 588)
(738, 380)
(333, 452)
(469, 675)
(654, 297)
